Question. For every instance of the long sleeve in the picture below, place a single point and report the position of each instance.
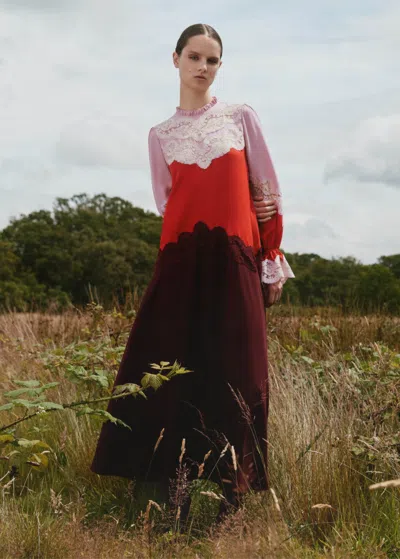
(160, 174)
(263, 182)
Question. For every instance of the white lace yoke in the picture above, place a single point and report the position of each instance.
(199, 136)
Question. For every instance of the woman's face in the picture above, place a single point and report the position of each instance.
(200, 57)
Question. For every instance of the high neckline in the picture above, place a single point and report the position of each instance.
(199, 111)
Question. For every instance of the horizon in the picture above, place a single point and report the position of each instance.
(155, 212)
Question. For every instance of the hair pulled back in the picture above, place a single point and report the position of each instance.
(193, 30)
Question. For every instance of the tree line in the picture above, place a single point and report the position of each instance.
(105, 247)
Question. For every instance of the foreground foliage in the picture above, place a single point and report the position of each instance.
(334, 434)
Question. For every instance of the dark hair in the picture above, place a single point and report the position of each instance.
(196, 29)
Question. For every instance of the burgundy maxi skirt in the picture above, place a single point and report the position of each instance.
(204, 308)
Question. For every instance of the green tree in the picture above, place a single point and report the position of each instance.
(107, 247)
(87, 244)
(378, 289)
(392, 262)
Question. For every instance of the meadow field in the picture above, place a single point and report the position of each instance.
(334, 432)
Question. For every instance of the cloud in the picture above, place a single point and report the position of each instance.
(34, 169)
(100, 142)
(84, 80)
(309, 234)
(39, 5)
(370, 153)
(312, 229)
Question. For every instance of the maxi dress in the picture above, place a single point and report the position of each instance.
(203, 307)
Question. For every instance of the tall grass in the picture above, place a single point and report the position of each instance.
(333, 431)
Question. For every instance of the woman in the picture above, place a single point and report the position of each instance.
(218, 265)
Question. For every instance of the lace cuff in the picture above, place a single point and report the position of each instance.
(264, 189)
(275, 270)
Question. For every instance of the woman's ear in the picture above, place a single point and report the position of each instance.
(175, 59)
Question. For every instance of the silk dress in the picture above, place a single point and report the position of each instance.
(203, 307)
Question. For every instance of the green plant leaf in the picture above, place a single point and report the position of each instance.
(33, 445)
(50, 385)
(85, 410)
(8, 406)
(179, 371)
(27, 383)
(22, 402)
(101, 378)
(4, 439)
(32, 392)
(29, 391)
(129, 388)
(38, 460)
(105, 415)
(151, 380)
(51, 406)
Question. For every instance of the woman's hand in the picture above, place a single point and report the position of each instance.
(265, 209)
(272, 292)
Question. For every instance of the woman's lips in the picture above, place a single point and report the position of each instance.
(200, 77)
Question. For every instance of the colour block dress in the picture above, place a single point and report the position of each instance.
(203, 307)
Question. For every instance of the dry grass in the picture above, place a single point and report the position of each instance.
(319, 506)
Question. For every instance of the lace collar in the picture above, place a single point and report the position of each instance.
(195, 112)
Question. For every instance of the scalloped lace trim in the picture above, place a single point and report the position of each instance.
(275, 270)
(201, 235)
(204, 138)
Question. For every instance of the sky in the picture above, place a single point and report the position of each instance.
(83, 81)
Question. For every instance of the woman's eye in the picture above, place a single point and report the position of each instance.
(192, 56)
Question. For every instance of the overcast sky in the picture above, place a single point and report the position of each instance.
(82, 82)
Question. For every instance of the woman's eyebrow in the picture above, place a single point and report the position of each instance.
(194, 52)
